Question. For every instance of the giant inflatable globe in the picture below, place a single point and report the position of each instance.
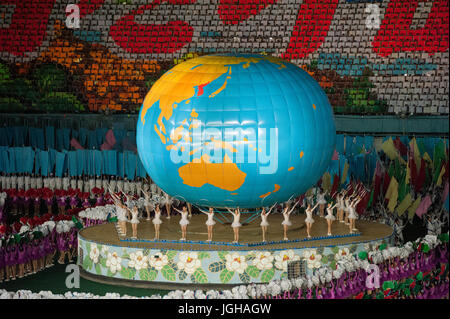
(235, 131)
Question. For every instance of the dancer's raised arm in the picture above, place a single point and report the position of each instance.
(271, 208)
(293, 207)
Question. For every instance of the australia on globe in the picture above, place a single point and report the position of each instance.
(235, 131)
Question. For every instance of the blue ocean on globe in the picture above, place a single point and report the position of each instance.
(235, 131)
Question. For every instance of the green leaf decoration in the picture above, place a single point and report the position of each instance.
(182, 275)
(333, 265)
(87, 263)
(320, 250)
(362, 255)
(419, 276)
(203, 255)
(324, 260)
(222, 254)
(200, 276)
(225, 276)
(216, 266)
(335, 249)
(168, 273)
(128, 273)
(352, 249)
(125, 256)
(172, 264)
(171, 254)
(244, 277)
(98, 269)
(103, 262)
(252, 271)
(88, 247)
(267, 275)
(109, 273)
(284, 275)
(330, 257)
(388, 285)
(148, 274)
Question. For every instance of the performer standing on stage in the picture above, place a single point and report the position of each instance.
(352, 212)
(157, 221)
(210, 222)
(183, 222)
(264, 224)
(168, 202)
(146, 203)
(322, 202)
(341, 207)
(134, 220)
(236, 224)
(309, 220)
(330, 218)
(286, 222)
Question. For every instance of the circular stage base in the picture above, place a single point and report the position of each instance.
(171, 263)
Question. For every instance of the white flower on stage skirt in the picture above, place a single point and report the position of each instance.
(94, 253)
(343, 253)
(138, 261)
(312, 258)
(114, 262)
(189, 262)
(158, 261)
(235, 262)
(263, 260)
(284, 257)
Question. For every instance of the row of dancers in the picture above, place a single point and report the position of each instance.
(346, 213)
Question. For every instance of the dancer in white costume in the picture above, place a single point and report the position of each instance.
(147, 203)
(309, 220)
(183, 221)
(209, 222)
(264, 224)
(122, 218)
(341, 207)
(236, 224)
(121, 213)
(157, 221)
(322, 202)
(330, 218)
(352, 212)
(168, 202)
(286, 222)
(134, 220)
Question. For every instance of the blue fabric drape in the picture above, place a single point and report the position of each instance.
(98, 162)
(72, 163)
(44, 162)
(60, 166)
(50, 136)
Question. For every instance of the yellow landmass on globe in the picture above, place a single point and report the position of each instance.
(179, 84)
(276, 189)
(224, 175)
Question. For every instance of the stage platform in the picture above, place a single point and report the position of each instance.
(172, 263)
